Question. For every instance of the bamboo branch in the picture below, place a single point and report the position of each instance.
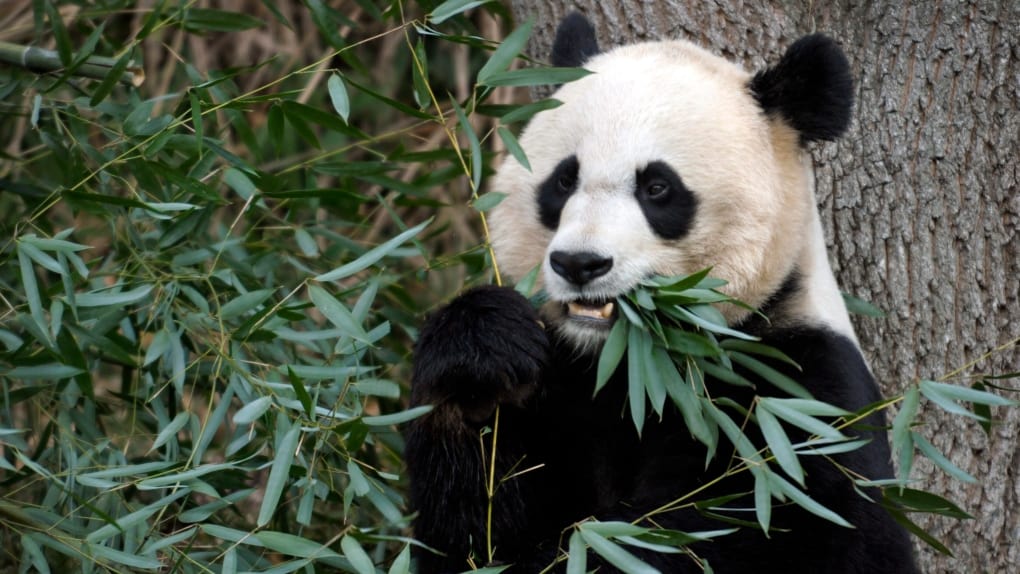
(44, 61)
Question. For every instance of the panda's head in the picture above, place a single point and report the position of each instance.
(664, 161)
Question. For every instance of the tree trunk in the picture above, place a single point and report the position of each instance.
(920, 203)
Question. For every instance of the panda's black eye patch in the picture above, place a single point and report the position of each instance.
(556, 190)
(666, 202)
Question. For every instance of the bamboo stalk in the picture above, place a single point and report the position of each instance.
(44, 61)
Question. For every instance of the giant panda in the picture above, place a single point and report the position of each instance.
(665, 160)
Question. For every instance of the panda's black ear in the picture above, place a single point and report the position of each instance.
(575, 41)
(811, 88)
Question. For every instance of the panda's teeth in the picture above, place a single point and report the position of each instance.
(607, 310)
(580, 310)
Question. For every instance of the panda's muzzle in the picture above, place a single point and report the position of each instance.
(580, 269)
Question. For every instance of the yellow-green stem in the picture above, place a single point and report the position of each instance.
(491, 487)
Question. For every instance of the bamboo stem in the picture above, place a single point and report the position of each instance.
(44, 61)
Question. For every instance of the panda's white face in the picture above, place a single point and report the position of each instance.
(659, 163)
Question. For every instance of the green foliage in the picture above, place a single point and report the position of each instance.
(212, 281)
(672, 336)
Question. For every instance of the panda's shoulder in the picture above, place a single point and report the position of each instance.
(829, 364)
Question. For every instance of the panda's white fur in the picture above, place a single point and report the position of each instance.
(676, 103)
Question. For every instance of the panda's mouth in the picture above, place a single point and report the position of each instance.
(592, 312)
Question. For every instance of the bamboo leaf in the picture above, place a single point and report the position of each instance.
(719, 328)
(402, 563)
(129, 559)
(35, 553)
(507, 51)
(763, 501)
(902, 440)
(397, 418)
(63, 40)
(196, 117)
(289, 544)
(488, 201)
(51, 371)
(756, 348)
(306, 243)
(683, 395)
(275, 124)
(807, 448)
(474, 145)
(733, 432)
(777, 379)
(780, 445)
(159, 345)
(279, 473)
(302, 393)
(243, 303)
(656, 372)
(451, 8)
(356, 554)
(859, 306)
(111, 79)
(984, 412)
(615, 554)
(373, 255)
(203, 512)
(514, 147)
(965, 394)
(525, 112)
(31, 287)
(338, 96)
(577, 555)
(689, 343)
(134, 518)
(940, 460)
(921, 501)
(162, 481)
(614, 529)
(359, 483)
(791, 414)
(535, 77)
(420, 76)
(251, 412)
(814, 408)
(212, 20)
(240, 183)
(639, 344)
(337, 313)
(52, 244)
(917, 531)
(171, 430)
(40, 257)
(107, 298)
(806, 502)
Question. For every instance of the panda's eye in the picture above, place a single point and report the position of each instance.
(657, 190)
(565, 182)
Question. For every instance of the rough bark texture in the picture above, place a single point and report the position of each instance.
(920, 202)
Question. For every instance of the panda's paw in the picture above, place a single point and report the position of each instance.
(485, 348)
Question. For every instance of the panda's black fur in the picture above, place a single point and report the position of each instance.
(570, 456)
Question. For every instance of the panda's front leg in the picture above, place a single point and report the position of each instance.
(484, 350)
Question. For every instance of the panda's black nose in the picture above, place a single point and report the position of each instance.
(579, 267)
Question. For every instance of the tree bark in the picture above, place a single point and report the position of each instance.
(920, 203)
